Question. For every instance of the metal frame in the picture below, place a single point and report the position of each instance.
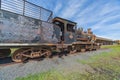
(0, 4)
(25, 8)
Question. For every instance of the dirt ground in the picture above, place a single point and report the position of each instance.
(65, 64)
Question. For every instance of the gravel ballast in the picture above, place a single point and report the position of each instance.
(66, 63)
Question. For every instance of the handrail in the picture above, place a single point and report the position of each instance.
(26, 8)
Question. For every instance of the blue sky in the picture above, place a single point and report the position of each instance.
(103, 16)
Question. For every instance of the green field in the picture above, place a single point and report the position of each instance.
(106, 66)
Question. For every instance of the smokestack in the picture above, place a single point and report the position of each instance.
(89, 31)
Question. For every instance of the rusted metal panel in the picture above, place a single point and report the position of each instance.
(50, 33)
(70, 37)
(16, 28)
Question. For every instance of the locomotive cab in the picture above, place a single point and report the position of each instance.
(68, 30)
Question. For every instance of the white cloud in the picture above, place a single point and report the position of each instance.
(111, 31)
(108, 8)
(72, 8)
(96, 12)
(57, 8)
(102, 24)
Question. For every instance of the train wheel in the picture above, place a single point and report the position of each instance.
(48, 53)
(90, 49)
(70, 49)
(83, 50)
(17, 56)
(4, 53)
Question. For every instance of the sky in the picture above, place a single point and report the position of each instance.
(102, 16)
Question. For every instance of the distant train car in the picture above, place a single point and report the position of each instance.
(117, 42)
(104, 41)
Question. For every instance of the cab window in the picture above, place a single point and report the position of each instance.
(70, 28)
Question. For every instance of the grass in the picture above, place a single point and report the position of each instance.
(107, 63)
(56, 75)
(51, 75)
(106, 66)
(13, 50)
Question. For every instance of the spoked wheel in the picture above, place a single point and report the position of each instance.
(17, 55)
(48, 53)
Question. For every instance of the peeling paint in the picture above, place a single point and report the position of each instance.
(15, 28)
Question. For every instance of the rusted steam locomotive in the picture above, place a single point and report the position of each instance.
(34, 33)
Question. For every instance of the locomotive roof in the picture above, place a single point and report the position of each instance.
(65, 20)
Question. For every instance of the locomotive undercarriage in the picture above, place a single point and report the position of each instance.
(23, 53)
